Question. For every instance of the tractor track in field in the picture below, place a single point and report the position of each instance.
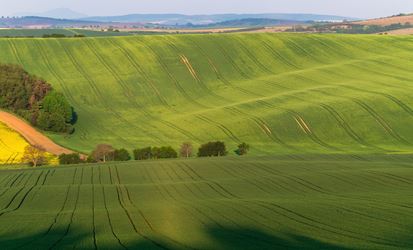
(222, 127)
(173, 79)
(60, 80)
(145, 219)
(253, 58)
(240, 235)
(185, 60)
(15, 52)
(23, 199)
(110, 220)
(260, 122)
(131, 98)
(278, 55)
(148, 81)
(66, 232)
(218, 74)
(93, 210)
(95, 90)
(312, 223)
(131, 222)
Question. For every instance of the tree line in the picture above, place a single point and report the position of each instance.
(107, 153)
(35, 100)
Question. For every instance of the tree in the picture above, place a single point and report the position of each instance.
(186, 149)
(122, 155)
(217, 148)
(34, 155)
(65, 159)
(103, 153)
(243, 149)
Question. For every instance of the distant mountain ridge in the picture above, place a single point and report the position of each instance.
(180, 19)
(60, 13)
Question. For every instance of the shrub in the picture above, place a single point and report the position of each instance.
(65, 159)
(243, 149)
(212, 149)
(121, 155)
(167, 153)
(142, 153)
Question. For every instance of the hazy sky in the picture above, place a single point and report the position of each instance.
(351, 8)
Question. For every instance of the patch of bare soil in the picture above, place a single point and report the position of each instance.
(32, 136)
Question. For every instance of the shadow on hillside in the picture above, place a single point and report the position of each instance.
(221, 238)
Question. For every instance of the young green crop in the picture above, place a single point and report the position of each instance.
(299, 202)
(280, 93)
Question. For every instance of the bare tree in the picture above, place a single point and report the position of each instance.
(103, 153)
(186, 149)
(34, 155)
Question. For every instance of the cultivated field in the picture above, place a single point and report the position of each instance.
(388, 20)
(280, 93)
(303, 202)
(12, 145)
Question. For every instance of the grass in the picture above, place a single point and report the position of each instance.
(304, 202)
(11, 145)
(281, 93)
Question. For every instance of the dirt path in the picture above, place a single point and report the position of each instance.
(33, 136)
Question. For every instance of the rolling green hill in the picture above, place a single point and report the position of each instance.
(281, 93)
(334, 202)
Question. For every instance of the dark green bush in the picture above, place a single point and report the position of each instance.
(122, 155)
(65, 159)
(212, 149)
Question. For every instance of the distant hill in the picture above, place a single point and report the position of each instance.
(255, 22)
(385, 21)
(178, 19)
(43, 22)
(61, 13)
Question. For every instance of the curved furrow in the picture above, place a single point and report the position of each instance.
(126, 89)
(262, 125)
(192, 71)
(381, 121)
(218, 72)
(252, 57)
(95, 90)
(278, 55)
(312, 223)
(173, 79)
(224, 129)
(148, 81)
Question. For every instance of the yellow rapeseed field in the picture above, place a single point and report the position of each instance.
(12, 145)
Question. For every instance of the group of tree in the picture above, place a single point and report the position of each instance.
(35, 100)
(36, 156)
(147, 153)
(61, 35)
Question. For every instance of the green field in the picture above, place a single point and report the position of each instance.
(303, 202)
(281, 93)
(66, 32)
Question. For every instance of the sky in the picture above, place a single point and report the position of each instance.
(348, 8)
